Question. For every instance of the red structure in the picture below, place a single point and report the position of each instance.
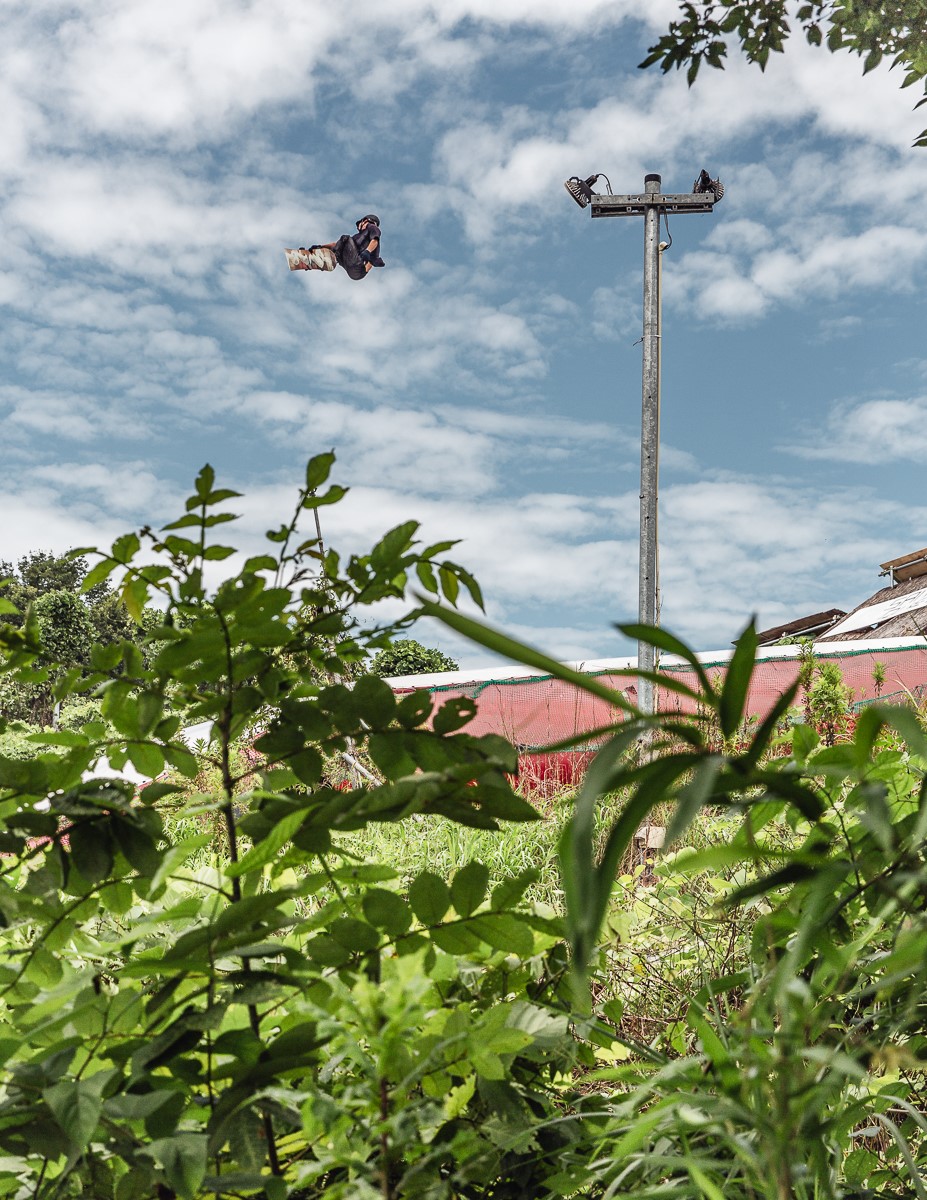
(534, 710)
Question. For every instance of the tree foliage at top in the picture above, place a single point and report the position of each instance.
(706, 28)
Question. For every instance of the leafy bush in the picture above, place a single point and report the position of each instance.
(408, 657)
(799, 1072)
(262, 1012)
(210, 989)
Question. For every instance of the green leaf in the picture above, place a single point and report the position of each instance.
(393, 544)
(508, 893)
(204, 482)
(504, 931)
(468, 888)
(805, 741)
(269, 847)
(137, 846)
(737, 681)
(429, 897)
(147, 759)
(450, 584)
(91, 847)
(182, 1158)
(105, 658)
(375, 701)
(259, 562)
(476, 594)
(98, 574)
(356, 936)
(415, 709)
(387, 911)
(455, 939)
(191, 520)
(390, 754)
(334, 495)
(76, 1105)
(454, 714)
(427, 577)
(126, 547)
(117, 898)
(318, 469)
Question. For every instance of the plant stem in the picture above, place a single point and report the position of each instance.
(384, 1142)
(228, 810)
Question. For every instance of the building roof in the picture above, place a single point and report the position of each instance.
(813, 626)
(899, 611)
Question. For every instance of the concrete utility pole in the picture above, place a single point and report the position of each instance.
(650, 204)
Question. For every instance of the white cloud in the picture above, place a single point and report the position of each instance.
(878, 430)
(734, 546)
(177, 68)
(456, 452)
(161, 152)
(40, 518)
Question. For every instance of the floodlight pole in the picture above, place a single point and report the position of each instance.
(651, 203)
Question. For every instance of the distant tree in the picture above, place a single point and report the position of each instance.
(705, 28)
(408, 657)
(70, 623)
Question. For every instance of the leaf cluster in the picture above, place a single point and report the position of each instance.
(821, 1033)
(706, 29)
(277, 1016)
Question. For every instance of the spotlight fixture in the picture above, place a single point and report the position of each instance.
(705, 183)
(581, 189)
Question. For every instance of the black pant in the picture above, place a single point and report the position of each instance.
(349, 257)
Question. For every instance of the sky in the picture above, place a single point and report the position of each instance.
(159, 154)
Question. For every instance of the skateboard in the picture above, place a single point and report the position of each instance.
(319, 258)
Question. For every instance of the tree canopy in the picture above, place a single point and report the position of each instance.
(47, 589)
(706, 28)
(409, 657)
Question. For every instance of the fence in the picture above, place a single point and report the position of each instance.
(534, 710)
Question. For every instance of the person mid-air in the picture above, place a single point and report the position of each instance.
(355, 252)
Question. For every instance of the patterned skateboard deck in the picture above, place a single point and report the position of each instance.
(297, 260)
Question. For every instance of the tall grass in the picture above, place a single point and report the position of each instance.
(427, 843)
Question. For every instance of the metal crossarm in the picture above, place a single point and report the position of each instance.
(635, 205)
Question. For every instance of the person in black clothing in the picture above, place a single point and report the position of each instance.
(355, 252)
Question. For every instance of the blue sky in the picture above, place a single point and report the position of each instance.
(159, 154)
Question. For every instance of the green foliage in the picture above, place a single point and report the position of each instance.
(44, 598)
(409, 657)
(829, 700)
(211, 988)
(260, 1012)
(706, 28)
(797, 1071)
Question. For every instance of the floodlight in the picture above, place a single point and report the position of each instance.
(705, 183)
(580, 189)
